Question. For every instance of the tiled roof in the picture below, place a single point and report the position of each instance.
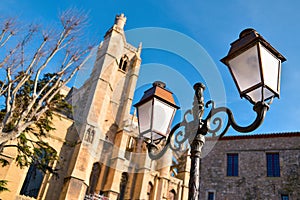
(259, 136)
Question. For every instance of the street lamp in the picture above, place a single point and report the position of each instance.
(255, 66)
(156, 110)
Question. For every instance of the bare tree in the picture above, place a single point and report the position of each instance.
(34, 66)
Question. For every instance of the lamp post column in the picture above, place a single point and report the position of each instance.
(194, 182)
(197, 142)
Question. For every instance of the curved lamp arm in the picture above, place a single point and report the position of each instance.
(153, 146)
(260, 108)
(202, 126)
(174, 141)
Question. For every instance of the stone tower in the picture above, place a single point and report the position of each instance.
(101, 155)
(101, 106)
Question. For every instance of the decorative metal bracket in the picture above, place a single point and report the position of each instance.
(260, 108)
(177, 138)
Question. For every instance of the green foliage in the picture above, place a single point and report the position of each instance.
(29, 95)
(3, 162)
(38, 153)
(3, 187)
(35, 151)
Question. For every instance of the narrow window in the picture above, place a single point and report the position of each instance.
(33, 182)
(284, 197)
(33, 179)
(232, 164)
(273, 167)
(123, 63)
(129, 148)
(149, 190)
(211, 196)
(172, 195)
(94, 178)
(123, 185)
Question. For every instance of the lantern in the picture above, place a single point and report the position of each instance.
(156, 111)
(255, 67)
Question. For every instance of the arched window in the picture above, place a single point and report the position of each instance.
(172, 195)
(149, 190)
(123, 185)
(94, 178)
(123, 63)
(33, 180)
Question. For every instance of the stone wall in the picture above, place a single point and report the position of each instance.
(252, 181)
(62, 140)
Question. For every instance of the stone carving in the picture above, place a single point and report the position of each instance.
(89, 135)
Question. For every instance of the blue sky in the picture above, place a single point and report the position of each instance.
(213, 25)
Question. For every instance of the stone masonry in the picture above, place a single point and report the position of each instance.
(252, 181)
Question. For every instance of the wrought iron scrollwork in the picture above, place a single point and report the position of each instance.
(260, 108)
(177, 138)
(195, 130)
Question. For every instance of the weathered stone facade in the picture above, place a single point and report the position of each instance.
(101, 154)
(252, 181)
(103, 157)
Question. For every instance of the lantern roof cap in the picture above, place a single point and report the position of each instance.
(248, 38)
(160, 92)
(159, 84)
(248, 31)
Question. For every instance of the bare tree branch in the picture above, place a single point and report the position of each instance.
(8, 98)
(29, 92)
(8, 28)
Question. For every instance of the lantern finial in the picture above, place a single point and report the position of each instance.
(247, 31)
(159, 84)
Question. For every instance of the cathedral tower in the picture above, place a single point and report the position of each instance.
(101, 106)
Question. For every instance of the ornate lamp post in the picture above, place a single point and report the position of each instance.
(255, 66)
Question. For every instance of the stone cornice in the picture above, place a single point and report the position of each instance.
(259, 136)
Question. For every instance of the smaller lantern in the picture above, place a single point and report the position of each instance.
(156, 111)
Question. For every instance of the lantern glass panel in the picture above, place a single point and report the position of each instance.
(145, 116)
(153, 135)
(271, 69)
(256, 95)
(162, 117)
(245, 69)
